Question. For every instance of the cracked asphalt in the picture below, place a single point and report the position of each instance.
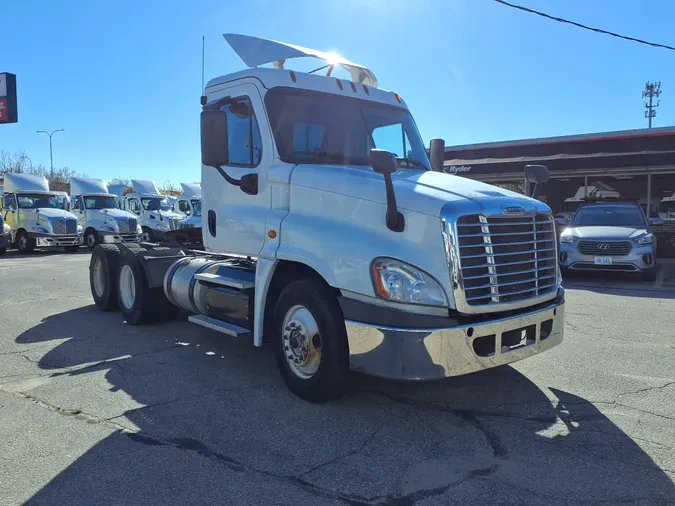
(93, 411)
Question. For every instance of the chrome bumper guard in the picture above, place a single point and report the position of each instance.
(52, 241)
(415, 354)
(119, 238)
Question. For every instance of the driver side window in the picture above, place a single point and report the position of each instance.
(184, 207)
(134, 207)
(392, 138)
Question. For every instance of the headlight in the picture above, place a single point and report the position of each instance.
(569, 238)
(139, 230)
(80, 229)
(401, 282)
(40, 230)
(5, 229)
(162, 227)
(644, 239)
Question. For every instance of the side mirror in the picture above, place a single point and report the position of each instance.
(536, 174)
(656, 221)
(383, 162)
(215, 150)
(562, 222)
(437, 154)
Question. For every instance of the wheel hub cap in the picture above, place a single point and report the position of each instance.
(301, 342)
(99, 278)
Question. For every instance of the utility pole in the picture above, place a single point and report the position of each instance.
(51, 156)
(651, 91)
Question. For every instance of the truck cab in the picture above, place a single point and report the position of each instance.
(152, 210)
(667, 208)
(36, 216)
(190, 204)
(329, 237)
(5, 231)
(97, 212)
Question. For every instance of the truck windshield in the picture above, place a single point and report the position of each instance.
(321, 128)
(609, 216)
(155, 204)
(197, 207)
(38, 201)
(100, 202)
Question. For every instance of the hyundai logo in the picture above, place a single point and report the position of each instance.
(514, 210)
(603, 245)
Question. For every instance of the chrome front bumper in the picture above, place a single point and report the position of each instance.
(415, 354)
(119, 238)
(57, 241)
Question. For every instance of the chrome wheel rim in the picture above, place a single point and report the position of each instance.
(127, 287)
(99, 278)
(22, 242)
(301, 342)
(145, 237)
(91, 240)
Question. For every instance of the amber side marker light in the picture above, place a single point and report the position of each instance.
(272, 234)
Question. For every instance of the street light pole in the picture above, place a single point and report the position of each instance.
(51, 155)
(26, 157)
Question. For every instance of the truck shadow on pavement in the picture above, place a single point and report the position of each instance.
(196, 418)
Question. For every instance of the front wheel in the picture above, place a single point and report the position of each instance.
(24, 243)
(146, 235)
(310, 341)
(91, 238)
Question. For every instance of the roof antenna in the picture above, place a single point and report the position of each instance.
(203, 99)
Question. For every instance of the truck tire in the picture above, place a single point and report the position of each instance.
(24, 243)
(146, 235)
(103, 268)
(139, 303)
(91, 239)
(310, 341)
(649, 275)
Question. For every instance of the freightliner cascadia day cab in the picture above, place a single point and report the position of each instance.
(36, 217)
(152, 209)
(190, 204)
(329, 238)
(96, 209)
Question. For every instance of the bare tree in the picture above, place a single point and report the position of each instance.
(20, 163)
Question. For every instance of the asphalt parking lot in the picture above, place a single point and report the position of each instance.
(93, 411)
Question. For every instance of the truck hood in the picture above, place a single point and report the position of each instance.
(164, 214)
(425, 192)
(113, 213)
(603, 233)
(52, 213)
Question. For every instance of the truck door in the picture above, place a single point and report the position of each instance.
(234, 221)
(134, 206)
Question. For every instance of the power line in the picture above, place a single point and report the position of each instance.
(585, 27)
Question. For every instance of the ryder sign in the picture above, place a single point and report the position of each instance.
(8, 112)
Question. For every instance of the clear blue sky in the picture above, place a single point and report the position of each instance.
(123, 77)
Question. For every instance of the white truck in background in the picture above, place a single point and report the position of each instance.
(329, 238)
(35, 215)
(5, 231)
(152, 210)
(596, 191)
(667, 207)
(190, 204)
(96, 209)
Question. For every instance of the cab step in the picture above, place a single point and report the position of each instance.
(238, 282)
(219, 325)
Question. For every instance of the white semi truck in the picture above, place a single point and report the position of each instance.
(190, 204)
(5, 231)
(329, 238)
(35, 215)
(152, 210)
(96, 209)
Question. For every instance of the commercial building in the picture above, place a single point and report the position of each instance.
(637, 165)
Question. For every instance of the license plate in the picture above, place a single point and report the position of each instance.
(603, 260)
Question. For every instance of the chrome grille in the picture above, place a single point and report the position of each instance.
(187, 225)
(123, 225)
(174, 223)
(71, 226)
(133, 224)
(58, 226)
(506, 259)
(604, 248)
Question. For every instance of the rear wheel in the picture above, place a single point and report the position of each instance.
(310, 341)
(91, 238)
(103, 268)
(24, 243)
(139, 303)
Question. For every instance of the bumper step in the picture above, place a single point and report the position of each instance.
(214, 324)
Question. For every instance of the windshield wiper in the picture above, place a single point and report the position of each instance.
(413, 162)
